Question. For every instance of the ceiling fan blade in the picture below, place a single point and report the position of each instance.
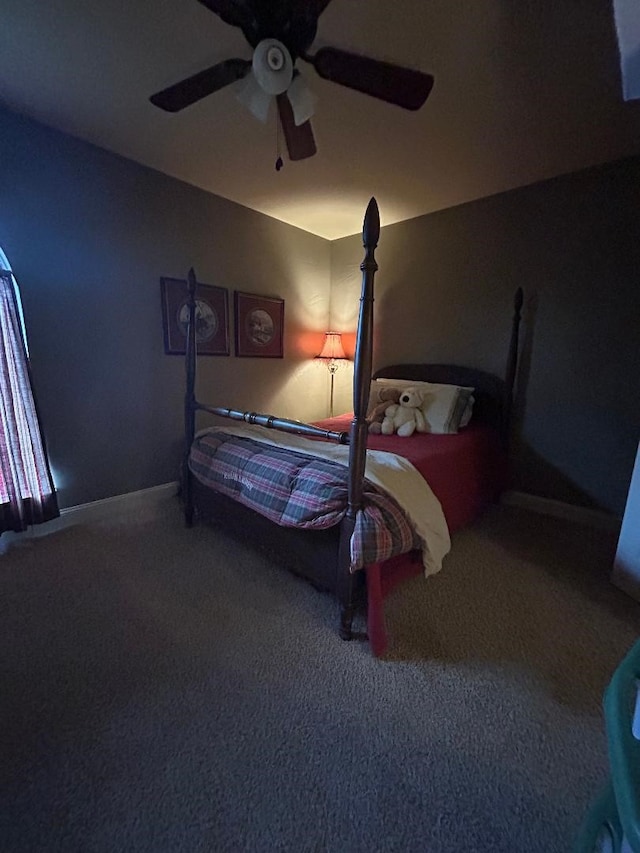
(299, 138)
(391, 83)
(318, 6)
(238, 13)
(187, 92)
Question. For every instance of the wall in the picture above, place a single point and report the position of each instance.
(444, 293)
(626, 565)
(88, 235)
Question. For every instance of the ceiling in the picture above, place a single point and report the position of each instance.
(524, 90)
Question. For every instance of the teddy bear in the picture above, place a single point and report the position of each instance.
(385, 396)
(405, 416)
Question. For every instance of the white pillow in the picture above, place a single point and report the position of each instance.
(466, 415)
(447, 408)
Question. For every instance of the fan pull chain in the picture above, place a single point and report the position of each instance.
(279, 162)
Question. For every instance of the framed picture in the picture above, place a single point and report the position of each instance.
(212, 317)
(259, 325)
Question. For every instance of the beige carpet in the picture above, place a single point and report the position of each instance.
(167, 689)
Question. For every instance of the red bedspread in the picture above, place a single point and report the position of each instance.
(466, 472)
(293, 489)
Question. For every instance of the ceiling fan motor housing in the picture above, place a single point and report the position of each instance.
(275, 58)
(272, 66)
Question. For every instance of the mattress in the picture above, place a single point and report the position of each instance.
(466, 471)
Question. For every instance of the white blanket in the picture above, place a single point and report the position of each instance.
(393, 473)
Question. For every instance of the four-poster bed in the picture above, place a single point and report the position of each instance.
(384, 523)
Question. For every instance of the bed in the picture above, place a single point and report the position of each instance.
(352, 512)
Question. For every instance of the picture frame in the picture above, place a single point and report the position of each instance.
(212, 317)
(259, 325)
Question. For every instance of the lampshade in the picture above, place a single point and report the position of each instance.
(332, 347)
(332, 352)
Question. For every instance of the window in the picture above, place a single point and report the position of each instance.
(27, 493)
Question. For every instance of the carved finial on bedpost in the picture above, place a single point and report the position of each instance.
(512, 363)
(371, 227)
(189, 397)
(517, 301)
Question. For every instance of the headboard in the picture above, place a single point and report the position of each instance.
(493, 396)
(489, 390)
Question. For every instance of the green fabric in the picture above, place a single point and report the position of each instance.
(620, 700)
(614, 818)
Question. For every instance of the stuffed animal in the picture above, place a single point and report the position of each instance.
(405, 417)
(385, 396)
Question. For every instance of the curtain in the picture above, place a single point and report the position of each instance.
(27, 493)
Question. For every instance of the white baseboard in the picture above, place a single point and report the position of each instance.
(132, 505)
(558, 509)
(142, 505)
(147, 503)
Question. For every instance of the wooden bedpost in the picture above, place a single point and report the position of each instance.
(189, 397)
(510, 372)
(359, 428)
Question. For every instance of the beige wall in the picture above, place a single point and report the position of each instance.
(89, 235)
(281, 261)
(444, 292)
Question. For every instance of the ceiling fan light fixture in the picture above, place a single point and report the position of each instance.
(303, 100)
(271, 74)
(272, 66)
(252, 96)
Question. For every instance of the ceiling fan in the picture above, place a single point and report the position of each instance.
(281, 32)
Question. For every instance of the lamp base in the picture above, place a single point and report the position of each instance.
(332, 373)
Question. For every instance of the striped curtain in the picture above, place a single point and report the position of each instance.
(27, 493)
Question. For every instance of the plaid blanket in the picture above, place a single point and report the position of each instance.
(298, 490)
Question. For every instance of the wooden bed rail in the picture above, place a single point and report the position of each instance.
(280, 424)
